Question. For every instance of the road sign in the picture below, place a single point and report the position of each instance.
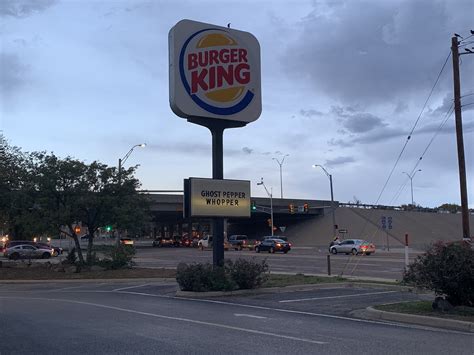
(384, 222)
(283, 229)
(389, 222)
(342, 231)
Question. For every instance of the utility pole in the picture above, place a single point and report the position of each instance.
(459, 136)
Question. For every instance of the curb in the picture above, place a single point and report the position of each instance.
(146, 279)
(375, 314)
(292, 288)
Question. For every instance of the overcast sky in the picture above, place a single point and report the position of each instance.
(343, 83)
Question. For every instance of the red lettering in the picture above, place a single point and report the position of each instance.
(224, 56)
(227, 75)
(212, 77)
(192, 61)
(234, 55)
(242, 73)
(198, 80)
(203, 58)
(213, 57)
(242, 55)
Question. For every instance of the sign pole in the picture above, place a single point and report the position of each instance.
(217, 128)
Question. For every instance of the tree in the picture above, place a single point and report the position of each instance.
(451, 207)
(74, 192)
(20, 214)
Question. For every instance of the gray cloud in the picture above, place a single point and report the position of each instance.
(310, 113)
(247, 150)
(387, 52)
(23, 8)
(339, 161)
(340, 143)
(362, 122)
(11, 73)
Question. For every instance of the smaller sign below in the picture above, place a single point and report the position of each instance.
(342, 231)
(283, 229)
(216, 198)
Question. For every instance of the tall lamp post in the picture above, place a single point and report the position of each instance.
(281, 178)
(270, 194)
(122, 160)
(332, 197)
(411, 183)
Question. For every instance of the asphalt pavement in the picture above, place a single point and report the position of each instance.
(146, 317)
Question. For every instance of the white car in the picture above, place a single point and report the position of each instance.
(28, 251)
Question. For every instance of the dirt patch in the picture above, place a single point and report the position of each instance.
(35, 272)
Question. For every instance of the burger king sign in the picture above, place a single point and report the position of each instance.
(214, 72)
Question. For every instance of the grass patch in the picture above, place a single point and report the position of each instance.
(424, 308)
(277, 280)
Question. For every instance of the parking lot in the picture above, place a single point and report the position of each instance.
(147, 317)
(382, 264)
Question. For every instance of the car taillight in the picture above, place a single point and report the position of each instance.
(289, 244)
(244, 242)
(363, 247)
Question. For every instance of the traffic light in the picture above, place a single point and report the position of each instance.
(291, 208)
(108, 228)
(269, 222)
(253, 207)
(306, 208)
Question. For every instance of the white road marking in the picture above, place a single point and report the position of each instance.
(248, 315)
(332, 297)
(127, 288)
(218, 325)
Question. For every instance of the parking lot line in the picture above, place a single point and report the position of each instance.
(332, 297)
(248, 315)
(187, 320)
(127, 288)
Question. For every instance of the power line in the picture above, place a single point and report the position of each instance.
(413, 129)
(440, 127)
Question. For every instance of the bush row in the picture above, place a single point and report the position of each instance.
(241, 274)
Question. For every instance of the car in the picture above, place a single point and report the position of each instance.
(56, 250)
(353, 246)
(126, 241)
(282, 237)
(206, 242)
(28, 251)
(273, 245)
(239, 242)
(164, 242)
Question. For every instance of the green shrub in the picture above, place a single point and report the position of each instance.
(203, 277)
(248, 274)
(241, 274)
(120, 257)
(446, 269)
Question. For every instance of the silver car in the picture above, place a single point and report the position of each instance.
(353, 246)
(28, 251)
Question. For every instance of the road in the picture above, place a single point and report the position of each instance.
(146, 318)
(386, 265)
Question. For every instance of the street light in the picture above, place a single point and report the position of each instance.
(332, 196)
(281, 179)
(270, 194)
(411, 183)
(121, 161)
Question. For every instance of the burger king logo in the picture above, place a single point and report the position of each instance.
(216, 71)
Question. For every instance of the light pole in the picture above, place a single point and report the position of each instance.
(332, 197)
(281, 178)
(411, 183)
(270, 194)
(122, 160)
